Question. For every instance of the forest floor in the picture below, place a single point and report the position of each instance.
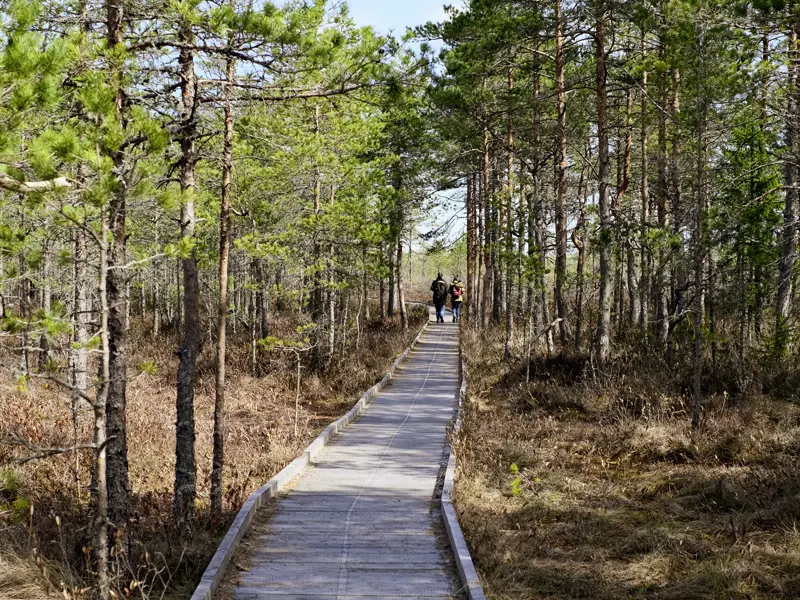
(39, 551)
(580, 487)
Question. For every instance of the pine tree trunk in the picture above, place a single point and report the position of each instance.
(487, 240)
(497, 244)
(561, 182)
(602, 335)
(391, 283)
(344, 310)
(660, 283)
(578, 242)
(679, 275)
(789, 233)
(116, 427)
(400, 292)
(25, 310)
(316, 300)
(644, 257)
(218, 460)
(522, 219)
(534, 249)
(382, 292)
(185, 464)
(365, 288)
(80, 337)
(262, 299)
(470, 201)
(80, 334)
(509, 222)
(477, 285)
(47, 301)
(330, 300)
(633, 279)
(697, 235)
(99, 469)
(541, 238)
(280, 303)
(331, 297)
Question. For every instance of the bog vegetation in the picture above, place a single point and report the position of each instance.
(203, 204)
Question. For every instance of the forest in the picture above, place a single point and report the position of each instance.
(219, 220)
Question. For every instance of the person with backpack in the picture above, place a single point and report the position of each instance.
(456, 298)
(439, 289)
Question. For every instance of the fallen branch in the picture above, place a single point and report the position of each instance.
(548, 328)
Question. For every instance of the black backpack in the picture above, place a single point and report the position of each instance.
(440, 291)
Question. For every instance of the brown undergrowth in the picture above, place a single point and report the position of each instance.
(45, 515)
(576, 486)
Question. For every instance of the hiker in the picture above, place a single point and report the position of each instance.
(439, 289)
(456, 298)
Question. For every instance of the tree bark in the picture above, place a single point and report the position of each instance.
(469, 205)
(316, 299)
(185, 463)
(262, 298)
(535, 251)
(331, 295)
(382, 293)
(633, 278)
(697, 235)
(218, 460)
(644, 257)
(487, 240)
(602, 335)
(522, 207)
(99, 473)
(660, 283)
(789, 232)
(509, 222)
(497, 243)
(561, 182)
(577, 241)
(390, 288)
(400, 293)
(116, 286)
(477, 291)
(47, 302)
(679, 274)
(80, 337)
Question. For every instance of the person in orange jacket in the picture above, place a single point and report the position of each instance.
(456, 298)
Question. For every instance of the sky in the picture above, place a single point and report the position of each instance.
(396, 15)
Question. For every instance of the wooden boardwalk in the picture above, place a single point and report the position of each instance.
(362, 522)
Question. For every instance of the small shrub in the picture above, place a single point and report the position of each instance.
(516, 483)
(10, 481)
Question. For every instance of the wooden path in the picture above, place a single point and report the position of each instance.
(362, 522)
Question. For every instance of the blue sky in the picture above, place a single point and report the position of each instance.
(396, 15)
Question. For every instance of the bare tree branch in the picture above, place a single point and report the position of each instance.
(32, 187)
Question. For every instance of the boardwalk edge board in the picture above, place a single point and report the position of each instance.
(466, 568)
(215, 571)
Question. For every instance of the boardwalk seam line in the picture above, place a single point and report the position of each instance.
(466, 568)
(343, 565)
(215, 570)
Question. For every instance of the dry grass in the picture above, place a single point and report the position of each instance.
(260, 441)
(610, 496)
